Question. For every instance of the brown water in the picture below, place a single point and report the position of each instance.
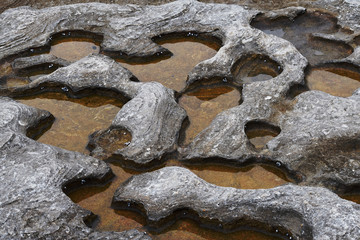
(172, 73)
(75, 119)
(335, 81)
(204, 104)
(352, 197)
(299, 32)
(74, 49)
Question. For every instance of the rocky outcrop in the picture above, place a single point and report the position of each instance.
(32, 202)
(307, 212)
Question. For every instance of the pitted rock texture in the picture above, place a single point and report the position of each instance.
(318, 143)
(127, 29)
(32, 203)
(154, 120)
(307, 212)
(152, 115)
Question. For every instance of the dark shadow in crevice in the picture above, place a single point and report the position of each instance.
(123, 57)
(75, 184)
(241, 224)
(182, 133)
(288, 175)
(208, 39)
(295, 90)
(210, 88)
(38, 70)
(75, 35)
(51, 87)
(40, 127)
(156, 163)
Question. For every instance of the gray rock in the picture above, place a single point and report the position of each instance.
(307, 212)
(154, 120)
(28, 62)
(127, 29)
(92, 72)
(33, 204)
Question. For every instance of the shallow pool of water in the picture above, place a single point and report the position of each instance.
(335, 81)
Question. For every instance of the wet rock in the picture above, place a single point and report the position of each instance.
(307, 212)
(127, 29)
(154, 120)
(91, 72)
(33, 204)
(33, 61)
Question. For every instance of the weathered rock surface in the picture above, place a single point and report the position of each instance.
(154, 120)
(307, 212)
(127, 29)
(32, 203)
(96, 72)
(28, 62)
(319, 140)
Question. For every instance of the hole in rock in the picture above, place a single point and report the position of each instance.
(98, 200)
(260, 133)
(254, 68)
(75, 119)
(339, 80)
(172, 73)
(74, 45)
(300, 30)
(203, 103)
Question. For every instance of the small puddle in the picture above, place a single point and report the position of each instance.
(300, 30)
(172, 72)
(75, 119)
(73, 49)
(335, 81)
(255, 68)
(260, 133)
(203, 104)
